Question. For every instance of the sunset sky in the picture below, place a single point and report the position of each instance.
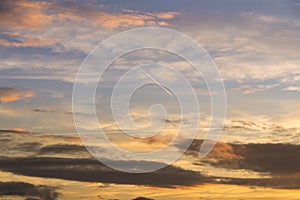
(254, 43)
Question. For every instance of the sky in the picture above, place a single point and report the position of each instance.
(255, 46)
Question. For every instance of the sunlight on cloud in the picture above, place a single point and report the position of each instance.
(12, 94)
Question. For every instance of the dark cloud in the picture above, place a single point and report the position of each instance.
(275, 159)
(279, 182)
(279, 160)
(142, 198)
(28, 190)
(91, 170)
(18, 142)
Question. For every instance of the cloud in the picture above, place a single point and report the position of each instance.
(90, 170)
(8, 94)
(22, 143)
(55, 24)
(111, 21)
(59, 149)
(131, 18)
(278, 182)
(142, 198)
(166, 15)
(28, 190)
(247, 128)
(249, 89)
(15, 130)
(278, 161)
(23, 14)
(26, 40)
(275, 159)
(73, 162)
(292, 89)
(27, 15)
(240, 49)
(29, 146)
(56, 111)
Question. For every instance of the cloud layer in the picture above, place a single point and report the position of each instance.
(46, 156)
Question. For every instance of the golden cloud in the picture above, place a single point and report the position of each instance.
(11, 94)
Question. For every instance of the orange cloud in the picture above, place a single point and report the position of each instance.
(113, 21)
(23, 15)
(166, 15)
(11, 94)
(131, 18)
(28, 15)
